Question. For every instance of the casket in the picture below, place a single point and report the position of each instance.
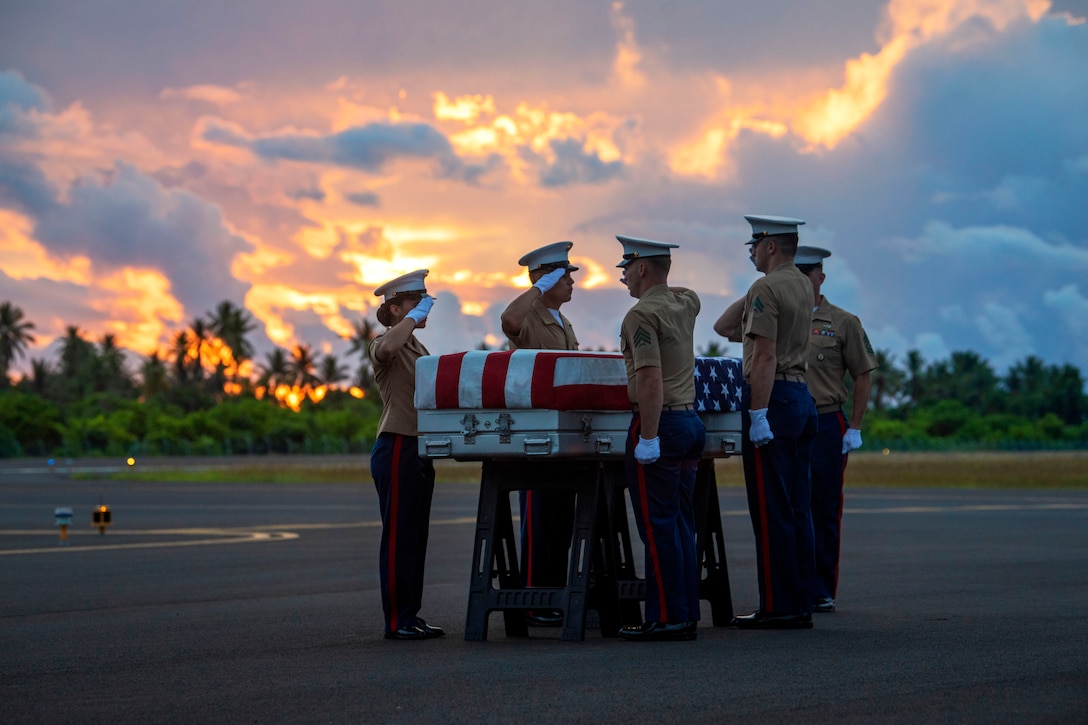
(486, 404)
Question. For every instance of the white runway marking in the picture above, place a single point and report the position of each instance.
(209, 537)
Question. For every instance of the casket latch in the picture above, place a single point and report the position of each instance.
(503, 429)
(468, 428)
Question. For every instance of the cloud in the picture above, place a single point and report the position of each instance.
(573, 165)
(24, 187)
(132, 221)
(215, 95)
(370, 148)
(17, 99)
(363, 198)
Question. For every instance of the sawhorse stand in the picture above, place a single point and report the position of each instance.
(590, 578)
(601, 574)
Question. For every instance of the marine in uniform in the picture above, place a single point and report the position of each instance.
(838, 346)
(404, 480)
(665, 440)
(773, 320)
(533, 321)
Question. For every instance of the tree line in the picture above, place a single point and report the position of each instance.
(206, 395)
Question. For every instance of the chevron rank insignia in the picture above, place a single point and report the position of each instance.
(757, 306)
(641, 338)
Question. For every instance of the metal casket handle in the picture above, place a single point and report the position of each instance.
(438, 447)
(538, 446)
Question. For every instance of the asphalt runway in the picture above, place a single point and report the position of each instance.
(260, 603)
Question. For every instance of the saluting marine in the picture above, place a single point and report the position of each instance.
(773, 320)
(533, 321)
(839, 346)
(665, 440)
(403, 479)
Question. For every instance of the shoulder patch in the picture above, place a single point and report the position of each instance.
(868, 345)
(641, 338)
(757, 305)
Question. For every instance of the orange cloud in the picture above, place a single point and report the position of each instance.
(823, 118)
(909, 24)
(628, 56)
(25, 258)
(138, 301)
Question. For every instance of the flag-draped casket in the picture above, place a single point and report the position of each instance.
(493, 404)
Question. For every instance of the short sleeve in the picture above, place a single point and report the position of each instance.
(643, 343)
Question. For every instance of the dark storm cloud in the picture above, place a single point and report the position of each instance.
(573, 165)
(364, 198)
(310, 193)
(16, 98)
(23, 187)
(133, 221)
(368, 148)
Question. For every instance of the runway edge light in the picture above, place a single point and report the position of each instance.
(102, 517)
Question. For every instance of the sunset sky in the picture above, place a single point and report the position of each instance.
(157, 158)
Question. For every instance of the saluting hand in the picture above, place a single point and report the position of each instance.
(648, 451)
(760, 432)
(421, 310)
(851, 441)
(549, 280)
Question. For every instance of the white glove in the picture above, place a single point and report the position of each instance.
(420, 311)
(761, 430)
(851, 441)
(549, 280)
(648, 451)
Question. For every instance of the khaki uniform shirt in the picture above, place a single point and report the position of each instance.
(839, 345)
(659, 331)
(540, 331)
(396, 381)
(779, 307)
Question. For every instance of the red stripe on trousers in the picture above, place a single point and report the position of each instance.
(394, 495)
(529, 538)
(651, 542)
(448, 380)
(842, 498)
(493, 382)
(765, 538)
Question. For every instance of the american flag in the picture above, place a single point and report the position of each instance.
(717, 384)
(560, 380)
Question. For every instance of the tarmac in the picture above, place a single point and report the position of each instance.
(260, 603)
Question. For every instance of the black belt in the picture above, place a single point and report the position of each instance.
(789, 378)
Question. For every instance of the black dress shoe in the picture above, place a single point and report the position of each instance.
(409, 632)
(430, 630)
(661, 632)
(823, 604)
(771, 620)
(544, 618)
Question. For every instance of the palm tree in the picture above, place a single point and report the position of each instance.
(276, 370)
(303, 366)
(916, 366)
(153, 376)
(179, 351)
(363, 333)
(331, 371)
(40, 373)
(199, 334)
(714, 349)
(113, 359)
(231, 324)
(887, 379)
(14, 336)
